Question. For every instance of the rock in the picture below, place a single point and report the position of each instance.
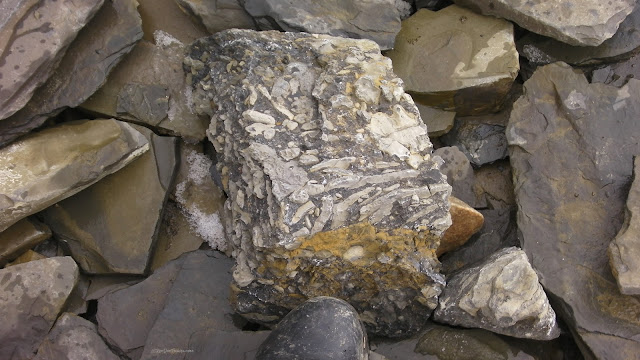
(466, 221)
(325, 212)
(76, 303)
(571, 146)
(20, 237)
(321, 328)
(219, 15)
(35, 36)
(438, 122)
(70, 157)
(74, 338)
(377, 20)
(580, 23)
(460, 175)
(624, 250)
(617, 74)
(29, 255)
(102, 285)
(494, 185)
(104, 226)
(502, 294)
(98, 48)
(31, 297)
(456, 60)
(148, 87)
(226, 344)
(433, 5)
(166, 16)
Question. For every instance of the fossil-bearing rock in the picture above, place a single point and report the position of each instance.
(328, 168)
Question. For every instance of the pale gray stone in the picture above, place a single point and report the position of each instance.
(438, 122)
(460, 175)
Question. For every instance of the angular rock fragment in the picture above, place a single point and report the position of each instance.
(20, 237)
(465, 221)
(460, 175)
(571, 147)
(44, 168)
(219, 15)
(618, 74)
(175, 236)
(31, 297)
(166, 16)
(580, 23)
(103, 226)
(502, 294)
(438, 122)
(483, 141)
(332, 188)
(85, 66)
(456, 60)
(377, 20)
(29, 255)
(494, 185)
(35, 36)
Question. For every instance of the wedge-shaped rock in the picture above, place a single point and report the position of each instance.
(503, 295)
(31, 297)
(466, 221)
(457, 60)
(327, 166)
(46, 167)
(575, 22)
(20, 237)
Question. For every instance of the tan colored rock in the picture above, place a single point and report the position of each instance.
(218, 15)
(20, 237)
(466, 221)
(30, 255)
(494, 185)
(438, 122)
(166, 15)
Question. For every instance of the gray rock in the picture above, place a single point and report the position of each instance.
(617, 74)
(31, 297)
(341, 171)
(103, 225)
(572, 158)
(460, 175)
(35, 36)
(624, 250)
(219, 15)
(97, 49)
(225, 344)
(482, 143)
(73, 337)
(20, 237)
(70, 157)
(494, 185)
(456, 60)
(438, 122)
(377, 20)
(581, 23)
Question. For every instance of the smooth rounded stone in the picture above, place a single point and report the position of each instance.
(329, 175)
(494, 185)
(571, 150)
(617, 74)
(45, 167)
(112, 226)
(20, 237)
(73, 337)
(321, 328)
(438, 122)
(466, 221)
(460, 175)
(456, 60)
(575, 22)
(97, 49)
(502, 294)
(168, 17)
(31, 297)
(377, 20)
(226, 344)
(35, 36)
(218, 15)
(624, 250)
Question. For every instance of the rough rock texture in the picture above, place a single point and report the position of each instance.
(31, 297)
(455, 59)
(166, 16)
(571, 147)
(73, 337)
(618, 74)
(20, 237)
(99, 47)
(377, 20)
(465, 221)
(624, 250)
(502, 294)
(332, 188)
(321, 328)
(103, 226)
(460, 176)
(46, 167)
(583, 22)
(226, 344)
(438, 122)
(480, 138)
(35, 36)
(494, 185)
(219, 15)
(148, 87)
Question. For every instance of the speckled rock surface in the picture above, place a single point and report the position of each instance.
(20, 237)
(329, 174)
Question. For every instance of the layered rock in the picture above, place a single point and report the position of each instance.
(377, 20)
(46, 167)
(332, 188)
(502, 294)
(20, 237)
(581, 23)
(571, 148)
(219, 15)
(456, 60)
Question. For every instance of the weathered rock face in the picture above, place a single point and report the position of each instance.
(502, 294)
(494, 185)
(166, 16)
(456, 60)
(98, 47)
(377, 20)
(581, 23)
(571, 147)
(438, 121)
(332, 188)
(219, 15)
(20, 237)
(460, 175)
(35, 36)
(31, 297)
(465, 222)
(624, 250)
(617, 74)
(46, 167)
(481, 141)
